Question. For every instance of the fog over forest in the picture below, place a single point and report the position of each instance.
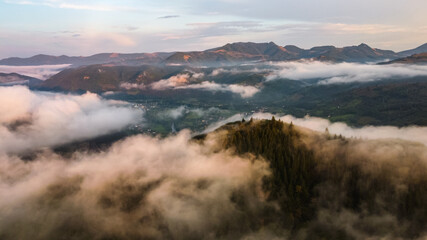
(368, 183)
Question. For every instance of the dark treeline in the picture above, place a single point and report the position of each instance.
(314, 175)
(292, 165)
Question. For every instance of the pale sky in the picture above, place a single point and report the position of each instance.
(77, 27)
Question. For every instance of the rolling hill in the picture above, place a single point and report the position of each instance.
(101, 78)
(14, 79)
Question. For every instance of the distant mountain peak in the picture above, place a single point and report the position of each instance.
(422, 46)
(239, 46)
(364, 45)
(417, 50)
(420, 58)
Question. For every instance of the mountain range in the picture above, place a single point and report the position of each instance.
(101, 58)
(242, 52)
(228, 54)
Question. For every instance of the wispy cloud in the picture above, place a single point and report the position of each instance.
(169, 16)
(41, 72)
(129, 86)
(360, 28)
(181, 111)
(203, 30)
(413, 133)
(231, 27)
(172, 82)
(243, 91)
(297, 33)
(200, 29)
(330, 73)
(187, 81)
(131, 28)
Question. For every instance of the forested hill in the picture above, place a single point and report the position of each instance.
(330, 187)
(292, 165)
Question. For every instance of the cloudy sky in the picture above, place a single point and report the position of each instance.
(77, 27)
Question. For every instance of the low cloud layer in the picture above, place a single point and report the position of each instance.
(174, 113)
(142, 188)
(254, 69)
(180, 111)
(42, 72)
(331, 73)
(243, 91)
(187, 81)
(32, 120)
(172, 82)
(413, 133)
(130, 86)
(151, 188)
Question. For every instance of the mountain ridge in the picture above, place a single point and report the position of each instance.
(417, 50)
(229, 53)
(100, 58)
(249, 51)
(420, 58)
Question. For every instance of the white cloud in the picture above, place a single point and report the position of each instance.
(412, 133)
(218, 71)
(172, 82)
(41, 72)
(32, 120)
(176, 112)
(129, 86)
(330, 73)
(185, 81)
(254, 69)
(180, 111)
(243, 91)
